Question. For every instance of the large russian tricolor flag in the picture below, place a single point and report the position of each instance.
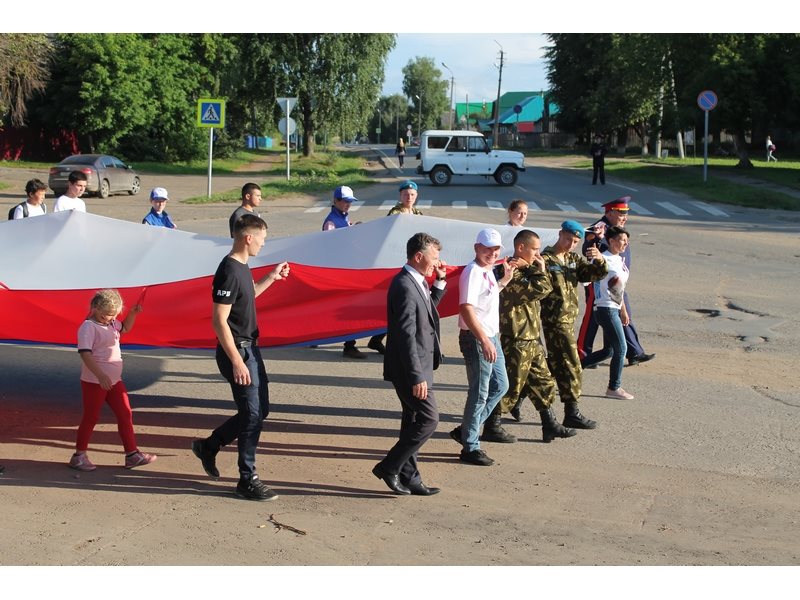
(50, 266)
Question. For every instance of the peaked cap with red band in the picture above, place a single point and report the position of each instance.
(618, 204)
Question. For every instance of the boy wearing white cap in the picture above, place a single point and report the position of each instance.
(479, 324)
(158, 217)
(339, 217)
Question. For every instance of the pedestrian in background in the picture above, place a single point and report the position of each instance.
(338, 218)
(517, 213)
(71, 200)
(34, 205)
(598, 151)
(251, 200)
(158, 217)
(400, 151)
(770, 149)
(408, 197)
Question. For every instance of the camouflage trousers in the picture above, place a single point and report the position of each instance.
(528, 374)
(563, 360)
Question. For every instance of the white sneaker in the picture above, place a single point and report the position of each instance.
(618, 393)
(81, 462)
(137, 459)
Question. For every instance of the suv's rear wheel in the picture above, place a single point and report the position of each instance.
(440, 175)
(137, 185)
(506, 176)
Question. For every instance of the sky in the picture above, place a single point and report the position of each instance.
(473, 59)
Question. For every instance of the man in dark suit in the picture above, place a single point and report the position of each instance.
(413, 353)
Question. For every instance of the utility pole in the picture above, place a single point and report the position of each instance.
(497, 104)
(451, 107)
(419, 97)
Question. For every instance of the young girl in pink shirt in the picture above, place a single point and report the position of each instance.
(101, 378)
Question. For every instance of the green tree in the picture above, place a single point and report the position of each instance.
(24, 71)
(606, 82)
(423, 84)
(392, 116)
(336, 78)
(101, 87)
(250, 84)
(188, 67)
(136, 94)
(576, 65)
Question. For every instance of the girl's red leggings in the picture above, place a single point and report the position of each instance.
(94, 397)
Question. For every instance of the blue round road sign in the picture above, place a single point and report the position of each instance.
(707, 100)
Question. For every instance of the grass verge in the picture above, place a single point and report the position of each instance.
(321, 172)
(726, 183)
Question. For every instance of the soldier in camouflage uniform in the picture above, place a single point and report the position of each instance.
(565, 270)
(520, 336)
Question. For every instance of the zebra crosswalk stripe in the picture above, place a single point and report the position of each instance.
(675, 210)
(710, 209)
(638, 209)
(318, 207)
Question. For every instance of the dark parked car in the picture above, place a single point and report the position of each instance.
(105, 175)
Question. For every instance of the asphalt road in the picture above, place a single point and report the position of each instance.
(700, 469)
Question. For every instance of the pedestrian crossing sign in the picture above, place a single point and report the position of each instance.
(210, 112)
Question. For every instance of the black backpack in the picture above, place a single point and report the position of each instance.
(24, 206)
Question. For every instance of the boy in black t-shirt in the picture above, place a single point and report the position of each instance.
(238, 357)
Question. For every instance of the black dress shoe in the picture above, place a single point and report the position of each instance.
(377, 345)
(455, 434)
(640, 358)
(420, 489)
(393, 481)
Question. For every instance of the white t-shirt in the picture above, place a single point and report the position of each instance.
(103, 341)
(33, 211)
(608, 291)
(67, 203)
(478, 287)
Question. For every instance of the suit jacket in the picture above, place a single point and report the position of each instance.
(412, 337)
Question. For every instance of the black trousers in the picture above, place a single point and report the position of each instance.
(598, 168)
(417, 425)
(252, 407)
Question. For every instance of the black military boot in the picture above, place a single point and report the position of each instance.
(551, 428)
(516, 411)
(493, 431)
(574, 418)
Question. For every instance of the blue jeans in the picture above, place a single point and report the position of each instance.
(488, 383)
(614, 345)
(252, 405)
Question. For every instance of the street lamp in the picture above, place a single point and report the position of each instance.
(452, 83)
(419, 97)
(378, 127)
